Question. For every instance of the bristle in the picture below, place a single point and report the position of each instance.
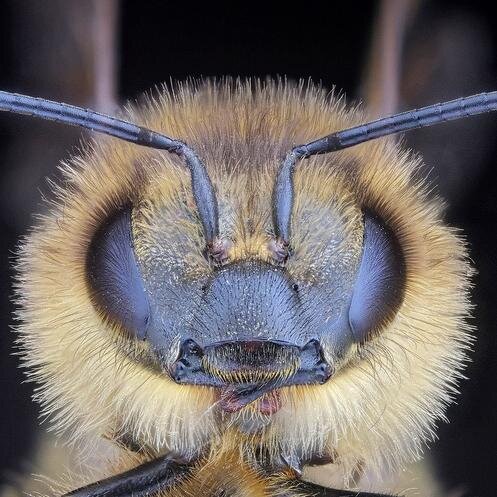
(263, 364)
(379, 410)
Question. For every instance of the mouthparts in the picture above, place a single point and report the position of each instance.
(245, 371)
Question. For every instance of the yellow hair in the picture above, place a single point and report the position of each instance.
(378, 411)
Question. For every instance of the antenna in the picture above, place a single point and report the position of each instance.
(405, 121)
(203, 191)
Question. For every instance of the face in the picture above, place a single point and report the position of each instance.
(300, 356)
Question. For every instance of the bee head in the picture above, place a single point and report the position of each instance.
(322, 296)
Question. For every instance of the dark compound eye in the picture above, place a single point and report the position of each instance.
(114, 277)
(380, 283)
(295, 287)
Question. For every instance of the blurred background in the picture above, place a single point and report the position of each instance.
(394, 54)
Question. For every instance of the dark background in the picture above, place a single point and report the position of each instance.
(450, 51)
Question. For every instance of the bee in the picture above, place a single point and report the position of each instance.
(231, 295)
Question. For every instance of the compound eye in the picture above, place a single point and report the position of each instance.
(380, 284)
(114, 277)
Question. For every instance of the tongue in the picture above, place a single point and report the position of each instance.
(234, 398)
(270, 403)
